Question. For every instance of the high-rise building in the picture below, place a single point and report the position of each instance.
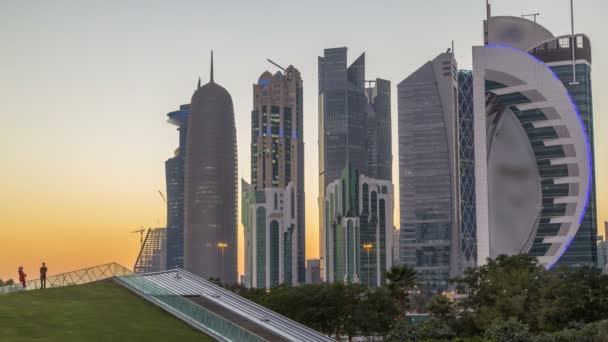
(602, 253)
(396, 258)
(210, 229)
(269, 217)
(358, 231)
(313, 271)
(354, 124)
(273, 205)
(466, 161)
(378, 123)
(174, 172)
(152, 256)
(534, 178)
(429, 172)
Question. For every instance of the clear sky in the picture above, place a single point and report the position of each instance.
(85, 88)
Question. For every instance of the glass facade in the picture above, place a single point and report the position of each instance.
(174, 172)
(354, 123)
(466, 149)
(277, 160)
(583, 249)
(358, 229)
(428, 179)
(210, 191)
(537, 164)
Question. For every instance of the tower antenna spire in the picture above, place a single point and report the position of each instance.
(573, 44)
(199, 83)
(488, 9)
(211, 66)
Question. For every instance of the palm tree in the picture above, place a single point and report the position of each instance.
(401, 280)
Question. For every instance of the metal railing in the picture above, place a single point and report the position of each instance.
(195, 315)
(83, 276)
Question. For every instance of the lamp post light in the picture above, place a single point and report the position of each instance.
(221, 246)
(368, 247)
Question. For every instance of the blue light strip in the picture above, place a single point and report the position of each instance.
(583, 127)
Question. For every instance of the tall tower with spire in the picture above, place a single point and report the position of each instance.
(210, 229)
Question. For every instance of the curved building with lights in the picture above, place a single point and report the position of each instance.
(210, 231)
(535, 189)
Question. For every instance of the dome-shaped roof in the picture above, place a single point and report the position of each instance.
(209, 91)
(516, 32)
(265, 78)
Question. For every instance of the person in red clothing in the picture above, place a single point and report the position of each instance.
(22, 276)
(43, 271)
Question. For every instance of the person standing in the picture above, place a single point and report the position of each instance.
(43, 270)
(22, 277)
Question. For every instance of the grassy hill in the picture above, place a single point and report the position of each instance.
(93, 312)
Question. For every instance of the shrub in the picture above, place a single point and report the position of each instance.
(510, 330)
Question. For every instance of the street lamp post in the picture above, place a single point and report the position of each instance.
(368, 247)
(221, 246)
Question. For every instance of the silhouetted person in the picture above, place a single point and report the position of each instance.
(43, 270)
(22, 277)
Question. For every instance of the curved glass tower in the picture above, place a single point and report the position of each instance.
(534, 144)
(429, 172)
(210, 231)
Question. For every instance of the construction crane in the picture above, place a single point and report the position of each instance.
(141, 232)
(531, 15)
(163, 196)
(275, 64)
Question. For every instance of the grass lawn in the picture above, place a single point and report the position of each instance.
(93, 312)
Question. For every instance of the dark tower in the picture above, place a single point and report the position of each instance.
(210, 231)
(174, 170)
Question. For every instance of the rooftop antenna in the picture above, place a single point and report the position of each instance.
(488, 9)
(453, 47)
(199, 83)
(211, 66)
(573, 43)
(531, 15)
(275, 64)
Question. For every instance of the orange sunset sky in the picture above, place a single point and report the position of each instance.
(85, 89)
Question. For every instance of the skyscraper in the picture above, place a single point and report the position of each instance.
(533, 154)
(379, 137)
(429, 172)
(313, 271)
(466, 162)
(358, 229)
(269, 218)
(354, 124)
(210, 230)
(273, 206)
(174, 172)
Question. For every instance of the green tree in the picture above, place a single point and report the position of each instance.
(442, 308)
(401, 280)
(574, 298)
(375, 312)
(510, 330)
(507, 287)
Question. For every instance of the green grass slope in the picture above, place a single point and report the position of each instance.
(93, 312)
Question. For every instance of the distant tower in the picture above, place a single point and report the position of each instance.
(429, 172)
(174, 171)
(210, 232)
(534, 144)
(276, 196)
(354, 126)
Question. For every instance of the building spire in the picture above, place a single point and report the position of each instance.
(211, 66)
(199, 83)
